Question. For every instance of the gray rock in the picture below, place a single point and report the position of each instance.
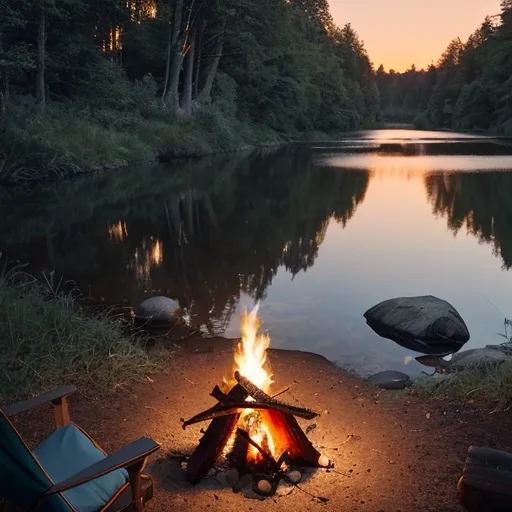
(158, 309)
(479, 358)
(390, 379)
(424, 324)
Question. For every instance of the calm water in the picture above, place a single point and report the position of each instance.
(319, 233)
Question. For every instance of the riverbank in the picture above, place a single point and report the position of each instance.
(48, 339)
(68, 142)
(391, 450)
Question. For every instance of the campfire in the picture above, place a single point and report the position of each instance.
(256, 433)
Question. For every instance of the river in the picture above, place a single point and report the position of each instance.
(318, 233)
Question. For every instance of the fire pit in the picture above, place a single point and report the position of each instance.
(256, 434)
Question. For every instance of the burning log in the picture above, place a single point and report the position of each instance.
(262, 398)
(213, 441)
(239, 453)
(486, 481)
(229, 408)
(258, 427)
(299, 447)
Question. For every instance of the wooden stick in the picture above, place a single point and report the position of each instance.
(282, 392)
(220, 410)
(261, 396)
(244, 435)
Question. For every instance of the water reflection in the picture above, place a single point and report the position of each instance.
(352, 228)
(480, 203)
(206, 245)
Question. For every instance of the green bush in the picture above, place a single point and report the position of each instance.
(47, 340)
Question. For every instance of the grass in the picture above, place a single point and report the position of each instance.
(69, 140)
(48, 340)
(492, 384)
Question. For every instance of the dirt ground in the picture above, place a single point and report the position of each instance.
(393, 451)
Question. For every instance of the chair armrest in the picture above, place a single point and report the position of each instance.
(126, 457)
(54, 397)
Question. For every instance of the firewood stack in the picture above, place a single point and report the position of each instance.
(225, 423)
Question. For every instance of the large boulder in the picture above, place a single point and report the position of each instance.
(158, 309)
(424, 324)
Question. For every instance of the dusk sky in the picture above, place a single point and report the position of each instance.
(397, 33)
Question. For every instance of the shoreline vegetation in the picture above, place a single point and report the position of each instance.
(48, 339)
(139, 80)
(491, 384)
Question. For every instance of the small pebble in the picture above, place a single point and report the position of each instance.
(264, 486)
(232, 476)
(295, 476)
(212, 472)
(324, 461)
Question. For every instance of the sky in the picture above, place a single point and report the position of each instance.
(398, 33)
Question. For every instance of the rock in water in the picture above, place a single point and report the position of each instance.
(390, 380)
(425, 324)
(158, 309)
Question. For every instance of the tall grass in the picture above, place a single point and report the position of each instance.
(48, 340)
(491, 384)
(69, 140)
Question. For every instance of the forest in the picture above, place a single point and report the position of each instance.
(86, 84)
(468, 89)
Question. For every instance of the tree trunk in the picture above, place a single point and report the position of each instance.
(206, 92)
(167, 63)
(40, 80)
(198, 57)
(4, 95)
(173, 99)
(189, 77)
(176, 59)
(197, 73)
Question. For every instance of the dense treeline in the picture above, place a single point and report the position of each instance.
(404, 95)
(468, 89)
(128, 78)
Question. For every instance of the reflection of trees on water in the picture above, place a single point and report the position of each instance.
(480, 202)
(205, 244)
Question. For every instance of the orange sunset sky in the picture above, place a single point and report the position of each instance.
(397, 33)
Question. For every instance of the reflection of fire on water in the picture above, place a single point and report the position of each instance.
(146, 258)
(118, 231)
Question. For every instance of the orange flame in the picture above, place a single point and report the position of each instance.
(251, 352)
(251, 362)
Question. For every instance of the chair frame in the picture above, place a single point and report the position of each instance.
(132, 457)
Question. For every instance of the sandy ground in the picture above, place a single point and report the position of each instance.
(393, 451)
